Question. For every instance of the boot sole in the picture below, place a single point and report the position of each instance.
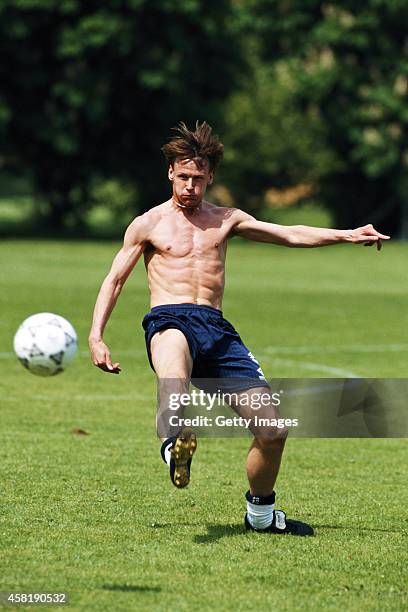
(181, 453)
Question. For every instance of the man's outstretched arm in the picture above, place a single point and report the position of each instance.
(303, 236)
(125, 260)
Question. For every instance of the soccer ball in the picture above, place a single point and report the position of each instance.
(45, 344)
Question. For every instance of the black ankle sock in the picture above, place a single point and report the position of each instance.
(259, 500)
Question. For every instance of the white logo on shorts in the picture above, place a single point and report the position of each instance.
(252, 358)
(261, 374)
(259, 370)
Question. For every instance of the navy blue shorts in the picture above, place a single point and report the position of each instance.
(216, 348)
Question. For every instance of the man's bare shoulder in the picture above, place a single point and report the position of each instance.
(224, 212)
(141, 227)
(228, 211)
(229, 215)
(240, 215)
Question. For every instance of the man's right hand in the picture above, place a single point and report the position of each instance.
(101, 357)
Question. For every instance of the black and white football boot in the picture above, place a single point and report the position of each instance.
(279, 525)
(177, 452)
(283, 526)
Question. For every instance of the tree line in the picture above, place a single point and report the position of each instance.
(309, 96)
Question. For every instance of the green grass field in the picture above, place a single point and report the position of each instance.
(97, 516)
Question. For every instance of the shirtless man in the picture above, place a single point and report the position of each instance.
(184, 244)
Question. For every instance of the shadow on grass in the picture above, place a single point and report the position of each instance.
(216, 532)
(130, 588)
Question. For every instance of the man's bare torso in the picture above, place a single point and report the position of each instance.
(185, 253)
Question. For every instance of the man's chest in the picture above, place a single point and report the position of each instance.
(182, 239)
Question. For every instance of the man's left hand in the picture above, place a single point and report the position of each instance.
(368, 236)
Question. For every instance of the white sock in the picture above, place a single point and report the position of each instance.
(260, 516)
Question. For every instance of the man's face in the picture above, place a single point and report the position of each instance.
(189, 181)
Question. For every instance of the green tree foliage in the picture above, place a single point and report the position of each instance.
(350, 60)
(88, 88)
(269, 141)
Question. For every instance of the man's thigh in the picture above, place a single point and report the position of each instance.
(171, 355)
(257, 404)
(173, 364)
